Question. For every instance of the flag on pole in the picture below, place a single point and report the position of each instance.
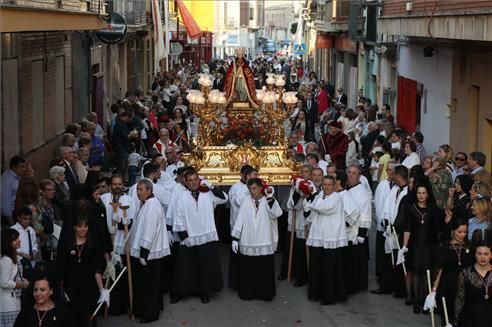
(159, 51)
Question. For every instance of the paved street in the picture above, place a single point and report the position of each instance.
(289, 308)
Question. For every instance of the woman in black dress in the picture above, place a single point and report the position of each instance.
(452, 256)
(473, 305)
(80, 265)
(42, 308)
(421, 233)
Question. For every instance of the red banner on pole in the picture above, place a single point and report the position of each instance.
(192, 27)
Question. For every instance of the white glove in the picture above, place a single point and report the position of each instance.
(235, 246)
(125, 221)
(170, 237)
(430, 301)
(116, 218)
(448, 325)
(116, 259)
(143, 262)
(360, 240)
(110, 272)
(206, 183)
(306, 205)
(297, 183)
(269, 192)
(401, 255)
(103, 296)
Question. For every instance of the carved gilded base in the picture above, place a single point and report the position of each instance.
(221, 164)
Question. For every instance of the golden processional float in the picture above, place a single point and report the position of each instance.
(241, 126)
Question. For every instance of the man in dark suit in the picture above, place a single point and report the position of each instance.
(367, 142)
(311, 109)
(341, 97)
(69, 157)
(218, 82)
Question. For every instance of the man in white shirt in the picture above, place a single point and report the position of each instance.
(255, 236)
(362, 196)
(237, 193)
(28, 252)
(197, 264)
(149, 246)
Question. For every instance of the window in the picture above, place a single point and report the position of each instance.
(37, 87)
(60, 94)
(10, 110)
(251, 13)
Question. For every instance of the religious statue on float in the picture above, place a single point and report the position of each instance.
(239, 82)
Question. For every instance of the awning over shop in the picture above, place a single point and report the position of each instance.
(191, 26)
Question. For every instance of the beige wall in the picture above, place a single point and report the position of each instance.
(472, 82)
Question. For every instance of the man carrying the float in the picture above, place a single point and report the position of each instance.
(237, 193)
(255, 236)
(351, 215)
(149, 246)
(362, 197)
(198, 268)
(302, 188)
(327, 239)
(120, 212)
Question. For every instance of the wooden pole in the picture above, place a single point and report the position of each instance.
(430, 293)
(128, 262)
(306, 234)
(291, 249)
(445, 310)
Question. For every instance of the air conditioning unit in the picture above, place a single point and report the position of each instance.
(408, 6)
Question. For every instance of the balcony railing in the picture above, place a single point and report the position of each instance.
(90, 6)
(135, 12)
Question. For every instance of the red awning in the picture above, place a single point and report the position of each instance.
(192, 27)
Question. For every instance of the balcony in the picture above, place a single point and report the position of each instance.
(51, 15)
(136, 12)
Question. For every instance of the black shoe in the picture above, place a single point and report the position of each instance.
(379, 291)
(204, 299)
(425, 312)
(299, 284)
(416, 308)
(281, 277)
(408, 301)
(146, 321)
(175, 299)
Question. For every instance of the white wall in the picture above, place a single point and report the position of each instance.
(435, 73)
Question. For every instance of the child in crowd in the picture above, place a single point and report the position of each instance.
(374, 169)
(27, 254)
(133, 162)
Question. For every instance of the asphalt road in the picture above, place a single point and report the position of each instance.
(289, 308)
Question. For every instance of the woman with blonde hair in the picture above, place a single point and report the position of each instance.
(482, 211)
(446, 151)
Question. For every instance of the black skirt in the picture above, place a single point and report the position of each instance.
(197, 270)
(234, 270)
(256, 277)
(147, 296)
(326, 275)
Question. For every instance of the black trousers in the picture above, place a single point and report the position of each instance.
(147, 289)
